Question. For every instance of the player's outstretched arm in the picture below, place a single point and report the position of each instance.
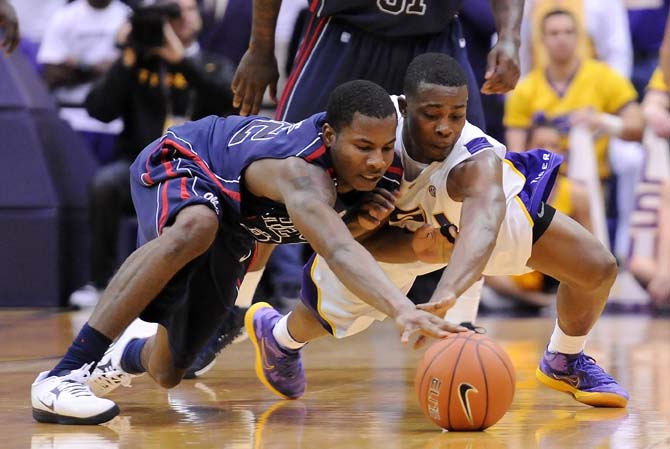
(258, 67)
(477, 182)
(309, 194)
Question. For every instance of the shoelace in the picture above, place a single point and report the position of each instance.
(75, 382)
(587, 364)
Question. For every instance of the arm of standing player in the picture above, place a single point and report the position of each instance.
(502, 69)
(9, 26)
(258, 66)
(308, 194)
(477, 182)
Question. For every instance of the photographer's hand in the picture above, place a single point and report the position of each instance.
(173, 50)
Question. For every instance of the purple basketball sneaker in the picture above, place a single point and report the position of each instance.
(278, 368)
(580, 376)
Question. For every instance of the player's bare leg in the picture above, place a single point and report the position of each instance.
(586, 271)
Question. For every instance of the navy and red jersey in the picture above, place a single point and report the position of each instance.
(391, 17)
(220, 149)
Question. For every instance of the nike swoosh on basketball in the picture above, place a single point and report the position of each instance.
(264, 357)
(463, 390)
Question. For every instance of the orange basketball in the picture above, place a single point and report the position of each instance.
(465, 382)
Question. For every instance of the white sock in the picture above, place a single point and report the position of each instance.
(245, 294)
(282, 335)
(566, 344)
(467, 305)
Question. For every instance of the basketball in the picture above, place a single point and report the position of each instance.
(465, 382)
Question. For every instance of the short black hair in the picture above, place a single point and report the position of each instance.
(557, 12)
(433, 68)
(361, 96)
(538, 123)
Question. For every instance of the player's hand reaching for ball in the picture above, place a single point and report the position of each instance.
(413, 321)
(439, 306)
(376, 208)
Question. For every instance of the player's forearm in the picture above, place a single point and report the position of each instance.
(359, 272)
(479, 227)
(263, 25)
(507, 14)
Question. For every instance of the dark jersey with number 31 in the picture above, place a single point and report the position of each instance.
(391, 17)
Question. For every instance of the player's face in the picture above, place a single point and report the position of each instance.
(560, 38)
(547, 138)
(362, 151)
(435, 117)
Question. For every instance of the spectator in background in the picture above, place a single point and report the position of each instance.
(653, 273)
(606, 34)
(150, 88)
(535, 289)
(226, 28)
(9, 27)
(34, 16)
(647, 22)
(79, 45)
(571, 90)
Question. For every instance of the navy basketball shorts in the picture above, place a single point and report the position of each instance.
(333, 52)
(196, 300)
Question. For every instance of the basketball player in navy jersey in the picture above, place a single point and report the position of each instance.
(205, 194)
(455, 176)
(373, 40)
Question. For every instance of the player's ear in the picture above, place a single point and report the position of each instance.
(402, 105)
(328, 135)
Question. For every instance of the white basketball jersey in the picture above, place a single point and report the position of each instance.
(426, 200)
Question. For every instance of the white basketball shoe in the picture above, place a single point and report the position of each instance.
(108, 374)
(68, 399)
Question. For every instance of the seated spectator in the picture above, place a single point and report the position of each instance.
(572, 90)
(535, 289)
(157, 82)
(653, 272)
(78, 46)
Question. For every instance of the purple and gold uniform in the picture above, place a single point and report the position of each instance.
(203, 162)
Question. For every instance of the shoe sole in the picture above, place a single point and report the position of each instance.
(249, 326)
(592, 399)
(44, 416)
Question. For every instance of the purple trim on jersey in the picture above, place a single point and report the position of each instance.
(540, 167)
(309, 294)
(478, 144)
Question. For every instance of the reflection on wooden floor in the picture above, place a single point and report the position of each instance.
(360, 395)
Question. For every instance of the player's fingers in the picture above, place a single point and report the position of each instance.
(421, 341)
(407, 333)
(431, 306)
(258, 101)
(273, 91)
(246, 98)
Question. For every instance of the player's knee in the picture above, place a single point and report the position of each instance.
(603, 272)
(193, 232)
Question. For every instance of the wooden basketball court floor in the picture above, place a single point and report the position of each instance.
(360, 395)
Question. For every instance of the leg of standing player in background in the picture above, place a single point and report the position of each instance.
(586, 271)
(466, 307)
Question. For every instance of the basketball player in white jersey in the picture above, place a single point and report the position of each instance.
(460, 182)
